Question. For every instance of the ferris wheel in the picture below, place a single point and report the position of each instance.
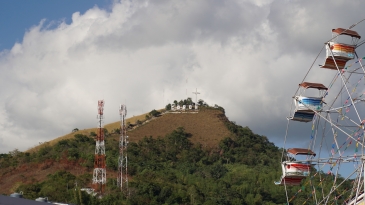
(330, 169)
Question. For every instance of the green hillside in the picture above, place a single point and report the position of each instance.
(173, 165)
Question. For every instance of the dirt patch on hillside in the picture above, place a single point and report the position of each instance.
(13, 177)
(207, 126)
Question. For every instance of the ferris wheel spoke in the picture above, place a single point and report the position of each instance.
(362, 67)
(328, 195)
(344, 82)
(337, 127)
(334, 135)
(337, 109)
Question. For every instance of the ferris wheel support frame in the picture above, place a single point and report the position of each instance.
(317, 113)
(343, 81)
(339, 185)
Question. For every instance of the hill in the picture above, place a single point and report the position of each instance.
(181, 158)
(111, 126)
(206, 127)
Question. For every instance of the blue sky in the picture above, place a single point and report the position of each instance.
(16, 17)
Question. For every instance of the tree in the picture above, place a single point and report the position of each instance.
(75, 130)
(168, 107)
(155, 113)
(14, 153)
(189, 101)
(217, 171)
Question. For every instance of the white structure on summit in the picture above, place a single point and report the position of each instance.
(196, 98)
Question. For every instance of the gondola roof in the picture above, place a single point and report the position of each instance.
(319, 86)
(342, 31)
(301, 151)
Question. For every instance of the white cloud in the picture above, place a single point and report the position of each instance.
(246, 56)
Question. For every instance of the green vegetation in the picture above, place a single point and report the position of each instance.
(153, 113)
(171, 170)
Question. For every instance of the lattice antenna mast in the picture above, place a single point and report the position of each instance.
(99, 174)
(123, 159)
(196, 96)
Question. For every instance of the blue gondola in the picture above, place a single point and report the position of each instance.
(306, 107)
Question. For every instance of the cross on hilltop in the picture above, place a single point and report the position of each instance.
(196, 96)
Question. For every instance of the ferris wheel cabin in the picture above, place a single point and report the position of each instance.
(294, 172)
(357, 200)
(338, 51)
(305, 107)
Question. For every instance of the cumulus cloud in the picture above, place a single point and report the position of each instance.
(247, 56)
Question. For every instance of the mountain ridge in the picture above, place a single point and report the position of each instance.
(226, 164)
(207, 123)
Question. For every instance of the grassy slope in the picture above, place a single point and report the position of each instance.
(109, 127)
(207, 128)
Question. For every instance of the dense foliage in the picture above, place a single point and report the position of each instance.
(171, 170)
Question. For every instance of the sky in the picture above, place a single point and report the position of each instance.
(18, 16)
(58, 58)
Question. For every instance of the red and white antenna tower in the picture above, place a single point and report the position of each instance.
(123, 160)
(99, 175)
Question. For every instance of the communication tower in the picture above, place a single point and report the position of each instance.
(123, 160)
(99, 174)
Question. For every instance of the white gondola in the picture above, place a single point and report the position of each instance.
(308, 103)
(338, 53)
(305, 107)
(358, 201)
(294, 172)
